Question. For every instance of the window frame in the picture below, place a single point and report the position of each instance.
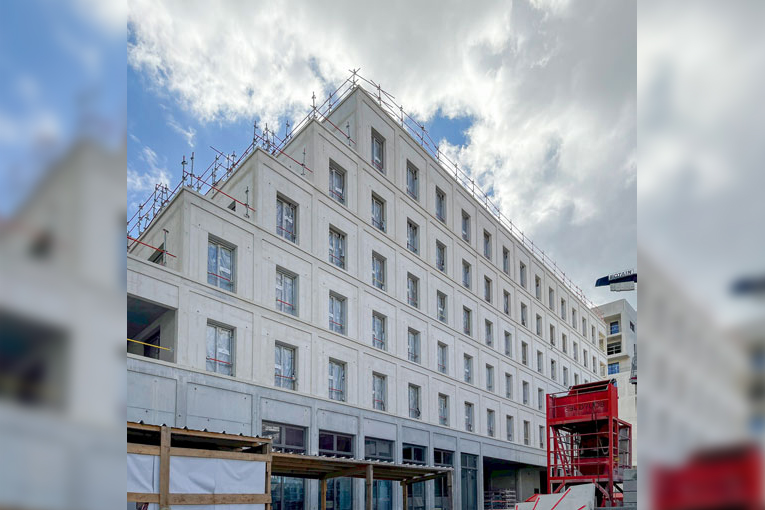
(381, 202)
(282, 378)
(412, 236)
(336, 236)
(216, 361)
(440, 205)
(336, 170)
(339, 327)
(413, 346)
(338, 390)
(376, 282)
(378, 142)
(379, 404)
(217, 279)
(412, 180)
(383, 341)
(280, 295)
(282, 203)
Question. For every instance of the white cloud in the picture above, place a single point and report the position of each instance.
(187, 133)
(153, 173)
(550, 86)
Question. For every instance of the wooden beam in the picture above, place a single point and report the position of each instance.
(419, 479)
(346, 472)
(164, 468)
(218, 499)
(142, 497)
(218, 454)
(323, 498)
(370, 488)
(143, 449)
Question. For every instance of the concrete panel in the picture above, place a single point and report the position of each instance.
(468, 446)
(150, 399)
(379, 429)
(415, 436)
(337, 422)
(284, 412)
(204, 406)
(444, 442)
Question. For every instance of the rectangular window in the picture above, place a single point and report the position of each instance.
(489, 378)
(592, 331)
(440, 256)
(285, 437)
(378, 271)
(379, 392)
(412, 181)
(613, 368)
(524, 315)
(525, 353)
(594, 366)
(220, 265)
(286, 219)
(340, 445)
(526, 432)
(552, 335)
(465, 274)
(540, 399)
(584, 357)
(614, 348)
(440, 205)
(337, 313)
(337, 380)
(468, 416)
(284, 367)
(506, 302)
(538, 287)
(541, 436)
(487, 245)
(584, 327)
(523, 275)
(632, 328)
(489, 330)
(468, 369)
(416, 496)
(467, 322)
(413, 290)
(551, 298)
(441, 306)
(413, 345)
(465, 226)
(490, 423)
(509, 386)
(336, 248)
(563, 309)
(614, 328)
(487, 289)
(565, 376)
(573, 318)
(525, 393)
(414, 402)
(220, 342)
(553, 370)
(442, 357)
(540, 362)
(443, 409)
(379, 339)
(336, 182)
(510, 428)
(378, 212)
(506, 260)
(539, 325)
(576, 379)
(412, 236)
(564, 342)
(576, 351)
(378, 151)
(508, 344)
(286, 292)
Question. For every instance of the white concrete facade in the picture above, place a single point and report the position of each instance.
(621, 334)
(177, 388)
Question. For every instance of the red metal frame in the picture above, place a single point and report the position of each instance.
(586, 440)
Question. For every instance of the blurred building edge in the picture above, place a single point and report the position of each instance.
(62, 302)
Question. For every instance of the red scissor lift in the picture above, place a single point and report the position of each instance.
(586, 440)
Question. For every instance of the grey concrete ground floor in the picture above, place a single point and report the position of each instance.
(162, 393)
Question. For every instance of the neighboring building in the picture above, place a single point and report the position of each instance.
(367, 307)
(621, 335)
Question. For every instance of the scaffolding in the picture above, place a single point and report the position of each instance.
(266, 139)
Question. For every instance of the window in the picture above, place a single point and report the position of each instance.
(336, 248)
(159, 257)
(573, 318)
(487, 245)
(576, 379)
(380, 449)
(414, 402)
(469, 481)
(379, 339)
(541, 436)
(286, 285)
(614, 328)
(538, 287)
(468, 416)
(284, 367)
(440, 205)
(540, 362)
(465, 226)
(632, 328)
(413, 290)
(509, 386)
(523, 275)
(584, 357)
(443, 409)
(487, 289)
(524, 315)
(508, 344)
(506, 302)
(442, 357)
(468, 369)
(594, 366)
(337, 380)
(576, 351)
(525, 393)
(540, 399)
(490, 422)
(564, 342)
(412, 236)
(510, 428)
(489, 378)
(412, 181)
(416, 496)
(220, 342)
(584, 327)
(286, 219)
(378, 271)
(336, 182)
(467, 327)
(563, 309)
(526, 432)
(613, 368)
(413, 345)
(489, 327)
(551, 298)
(614, 348)
(505, 260)
(220, 265)
(552, 335)
(285, 438)
(525, 353)
(337, 313)
(553, 370)
(565, 376)
(378, 151)
(539, 325)
(378, 212)
(465, 274)
(441, 306)
(592, 333)
(440, 256)
(442, 458)
(340, 445)
(379, 392)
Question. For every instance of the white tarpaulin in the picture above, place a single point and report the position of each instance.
(197, 475)
(578, 497)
